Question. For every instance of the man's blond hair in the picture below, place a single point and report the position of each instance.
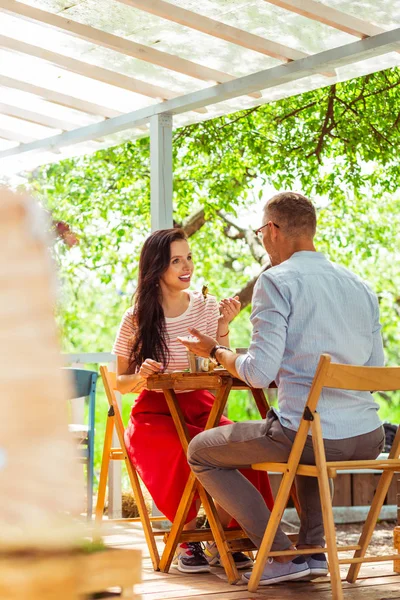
(294, 213)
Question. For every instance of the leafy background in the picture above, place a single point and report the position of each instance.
(338, 145)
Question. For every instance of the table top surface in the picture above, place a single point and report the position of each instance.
(184, 380)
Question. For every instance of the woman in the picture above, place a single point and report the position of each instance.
(146, 344)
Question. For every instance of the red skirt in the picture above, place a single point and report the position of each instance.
(155, 450)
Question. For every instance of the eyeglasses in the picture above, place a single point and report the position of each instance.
(258, 231)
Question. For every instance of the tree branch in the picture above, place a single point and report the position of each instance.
(246, 293)
(327, 126)
(256, 248)
(239, 118)
(376, 131)
(193, 223)
(294, 112)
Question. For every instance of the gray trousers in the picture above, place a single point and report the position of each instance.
(215, 455)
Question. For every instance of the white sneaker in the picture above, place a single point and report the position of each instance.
(190, 558)
(277, 572)
(212, 555)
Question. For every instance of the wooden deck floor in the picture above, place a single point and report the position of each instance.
(378, 582)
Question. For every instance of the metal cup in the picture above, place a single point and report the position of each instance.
(198, 364)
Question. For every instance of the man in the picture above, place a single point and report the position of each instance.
(302, 307)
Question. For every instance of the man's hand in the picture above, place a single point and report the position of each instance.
(199, 344)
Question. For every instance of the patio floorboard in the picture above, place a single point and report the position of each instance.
(377, 582)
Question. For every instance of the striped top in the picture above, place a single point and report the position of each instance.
(202, 314)
(302, 308)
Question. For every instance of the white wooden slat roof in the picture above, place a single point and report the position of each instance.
(76, 76)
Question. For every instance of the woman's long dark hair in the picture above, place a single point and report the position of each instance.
(148, 314)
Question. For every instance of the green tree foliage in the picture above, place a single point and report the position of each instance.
(339, 145)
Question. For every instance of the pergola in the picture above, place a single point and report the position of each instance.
(79, 76)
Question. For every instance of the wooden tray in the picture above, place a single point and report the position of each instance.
(69, 576)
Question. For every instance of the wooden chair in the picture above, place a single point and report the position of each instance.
(346, 377)
(84, 387)
(114, 419)
(396, 532)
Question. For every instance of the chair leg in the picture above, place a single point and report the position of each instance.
(91, 434)
(105, 463)
(90, 474)
(114, 418)
(178, 523)
(370, 522)
(396, 544)
(143, 514)
(269, 535)
(89, 503)
(373, 514)
(327, 511)
(219, 537)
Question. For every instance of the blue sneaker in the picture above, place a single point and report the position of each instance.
(318, 565)
(278, 572)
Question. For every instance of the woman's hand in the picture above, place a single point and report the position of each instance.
(150, 367)
(229, 309)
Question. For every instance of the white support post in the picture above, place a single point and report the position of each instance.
(161, 171)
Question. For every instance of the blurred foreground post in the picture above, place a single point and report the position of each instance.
(40, 487)
(41, 483)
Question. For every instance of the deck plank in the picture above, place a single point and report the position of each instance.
(377, 581)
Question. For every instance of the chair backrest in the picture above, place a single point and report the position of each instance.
(84, 381)
(341, 376)
(83, 387)
(351, 377)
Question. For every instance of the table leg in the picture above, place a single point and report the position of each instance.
(219, 404)
(178, 418)
(192, 484)
(261, 401)
(209, 507)
(219, 536)
(263, 407)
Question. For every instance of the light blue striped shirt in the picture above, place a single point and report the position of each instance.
(302, 308)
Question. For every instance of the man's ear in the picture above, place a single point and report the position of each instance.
(272, 230)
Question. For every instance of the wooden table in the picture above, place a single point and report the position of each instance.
(222, 382)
